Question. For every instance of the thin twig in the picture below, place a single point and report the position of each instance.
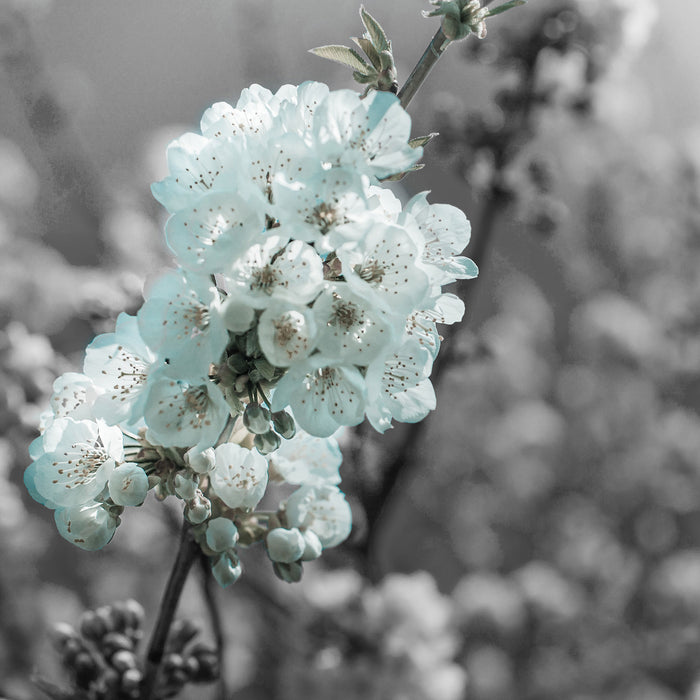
(209, 593)
(176, 582)
(430, 57)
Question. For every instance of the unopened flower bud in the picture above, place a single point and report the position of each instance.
(123, 660)
(131, 681)
(226, 569)
(256, 418)
(313, 547)
(285, 546)
(132, 613)
(221, 535)
(237, 316)
(185, 487)
(200, 461)
(92, 626)
(192, 666)
(284, 424)
(208, 664)
(63, 634)
(114, 642)
(267, 443)
(182, 632)
(175, 669)
(85, 668)
(173, 661)
(198, 509)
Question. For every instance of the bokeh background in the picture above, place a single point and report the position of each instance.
(538, 537)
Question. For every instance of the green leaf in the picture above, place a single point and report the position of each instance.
(505, 6)
(422, 140)
(372, 53)
(265, 369)
(375, 31)
(342, 54)
(386, 60)
(364, 78)
(402, 175)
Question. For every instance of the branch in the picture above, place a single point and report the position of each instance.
(178, 576)
(430, 57)
(399, 468)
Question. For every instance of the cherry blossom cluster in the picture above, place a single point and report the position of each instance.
(305, 298)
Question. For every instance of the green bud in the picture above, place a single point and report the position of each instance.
(284, 424)
(256, 419)
(198, 509)
(452, 28)
(267, 442)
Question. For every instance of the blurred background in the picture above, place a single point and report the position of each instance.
(538, 537)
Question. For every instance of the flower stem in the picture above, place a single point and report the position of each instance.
(186, 555)
(430, 57)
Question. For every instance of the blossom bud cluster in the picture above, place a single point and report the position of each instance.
(101, 654)
(305, 298)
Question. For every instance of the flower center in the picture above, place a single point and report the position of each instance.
(196, 401)
(285, 331)
(80, 470)
(264, 279)
(197, 317)
(324, 216)
(345, 314)
(371, 272)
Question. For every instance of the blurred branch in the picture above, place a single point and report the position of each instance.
(398, 471)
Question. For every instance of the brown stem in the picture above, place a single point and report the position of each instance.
(186, 555)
